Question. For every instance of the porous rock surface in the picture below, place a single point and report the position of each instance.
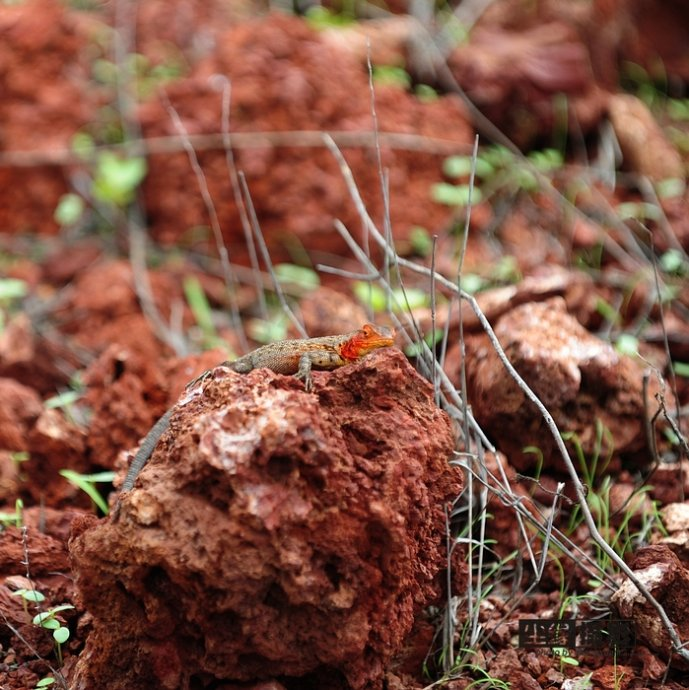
(581, 380)
(663, 574)
(274, 533)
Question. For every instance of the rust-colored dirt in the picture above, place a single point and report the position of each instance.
(318, 562)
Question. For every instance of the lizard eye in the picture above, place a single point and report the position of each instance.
(367, 329)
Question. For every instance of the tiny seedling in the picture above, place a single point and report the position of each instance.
(44, 682)
(29, 596)
(116, 178)
(48, 620)
(562, 653)
(69, 210)
(425, 93)
(627, 344)
(19, 456)
(497, 170)
(420, 241)
(203, 314)
(681, 369)
(593, 467)
(320, 18)
(87, 482)
(370, 295)
(16, 518)
(12, 290)
(674, 262)
(376, 299)
(296, 279)
(391, 75)
(431, 339)
(64, 399)
(270, 331)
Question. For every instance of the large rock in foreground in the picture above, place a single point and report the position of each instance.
(273, 533)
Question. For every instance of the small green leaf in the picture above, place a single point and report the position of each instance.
(415, 349)
(681, 369)
(83, 145)
(86, 482)
(45, 682)
(563, 656)
(421, 242)
(678, 108)
(525, 179)
(627, 344)
(638, 210)
(320, 18)
(673, 261)
(45, 619)
(61, 635)
(425, 93)
(472, 283)
(30, 595)
(390, 75)
(498, 156)
(607, 311)
(69, 209)
(454, 195)
(671, 187)
(370, 295)
(457, 166)
(414, 297)
(546, 160)
(12, 288)
(117, 178)
(104, 71)
(301, 276)
(97, 477)
(506, 270)
(61, 607)
(62, 400)
(268, 331)
(198, 303)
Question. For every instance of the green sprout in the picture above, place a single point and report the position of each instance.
(391, 75)
(14, 518)
(86, 482)
(117, 178)
(29, 596)
(48, 620)
(201, 309)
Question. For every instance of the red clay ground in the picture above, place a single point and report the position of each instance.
(566, 274)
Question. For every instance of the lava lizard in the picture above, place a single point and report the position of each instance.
(296, 357)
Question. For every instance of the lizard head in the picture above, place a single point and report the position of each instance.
(367, 339)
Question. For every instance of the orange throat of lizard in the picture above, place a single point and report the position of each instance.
(365, 340)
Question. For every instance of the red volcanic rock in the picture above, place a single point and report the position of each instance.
(580, 379)
(19, 408)
(285, 78)
(659, 569)
(645, 148)
(273, 533)
(513, 76)
(47, 96)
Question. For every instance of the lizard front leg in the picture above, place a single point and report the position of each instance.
(321, 359)
(304, 371)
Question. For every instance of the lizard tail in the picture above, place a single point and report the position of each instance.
(146, 450)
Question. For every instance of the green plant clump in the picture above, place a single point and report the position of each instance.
(497, 170)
